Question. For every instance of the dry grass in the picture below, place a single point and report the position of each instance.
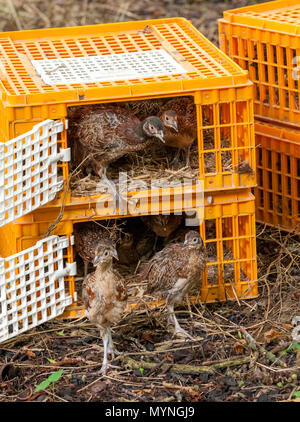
(33, 14)
(152, 167)
(75, 346)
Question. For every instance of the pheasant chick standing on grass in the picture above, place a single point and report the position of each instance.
(104, 297)
(174, 271)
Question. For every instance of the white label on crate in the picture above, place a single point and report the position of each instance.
(110, 67)
(32, 286)
(28, 170)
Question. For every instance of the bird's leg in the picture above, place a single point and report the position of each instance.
(175, 160)
(86, 264)
(111, 347)
(173, 320)
(188, 154)
(115, 194)
(105, 365)
(111, 186)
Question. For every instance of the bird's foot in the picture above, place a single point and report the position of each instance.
(122, 199)
(105, 367)
(117, 197)
(113, 352)
(175, 163)
(187, 162)
(179, 331)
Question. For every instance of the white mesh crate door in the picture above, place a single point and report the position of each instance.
(32, 286)
(28, 170)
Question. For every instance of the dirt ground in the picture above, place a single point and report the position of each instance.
(242, 351)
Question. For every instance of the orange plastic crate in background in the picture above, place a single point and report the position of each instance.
(221, 90)
(228, 231)
(265, 40)
(278, 176)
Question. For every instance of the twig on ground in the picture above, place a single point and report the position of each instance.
(133, 364)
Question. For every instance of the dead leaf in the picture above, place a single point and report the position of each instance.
(238, 348)
(296, 295)
(288, 326)
(98, 387)
(147, 336)
(170, 358)
(271, 335)
(30, 354)
(26, 394)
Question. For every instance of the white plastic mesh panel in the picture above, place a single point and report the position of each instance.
(32, 286)
(28, 170)
(110, 67)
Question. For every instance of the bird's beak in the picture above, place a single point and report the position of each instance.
(185, 244)
(115, 254)
(175, 126)
(96, 260)
(160, 135)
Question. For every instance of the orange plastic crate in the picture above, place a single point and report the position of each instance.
(265, 40)
(222, 92)
(278, 176)
(229, 224)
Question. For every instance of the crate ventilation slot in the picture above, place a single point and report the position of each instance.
(32, 286)
(111, 67)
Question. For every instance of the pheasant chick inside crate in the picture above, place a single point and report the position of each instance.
(153, 139)
(229, 269)
(172, 89)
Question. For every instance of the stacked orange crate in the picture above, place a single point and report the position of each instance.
(45, 72)
(265, 40)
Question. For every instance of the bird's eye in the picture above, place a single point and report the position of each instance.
(106, 253)
(195, 240)
(151, 128)
(167, 118)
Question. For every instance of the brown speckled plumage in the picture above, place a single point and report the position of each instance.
(108, 132)
(174, 271)
(88, 235)
(162, 225)
(185, 110)
(136, 246)
(104, 295)
(144, 108)
(126, 250)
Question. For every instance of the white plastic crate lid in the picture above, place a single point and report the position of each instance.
(32, 286)
(28, 170)
(110, 67)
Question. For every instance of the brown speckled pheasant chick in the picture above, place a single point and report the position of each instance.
(144, 108)
(127, 251)
(133, 248)
(162, 225)
(103, 134)
(180, 124)
(104, 296)
(88, 235)
(173, 272)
